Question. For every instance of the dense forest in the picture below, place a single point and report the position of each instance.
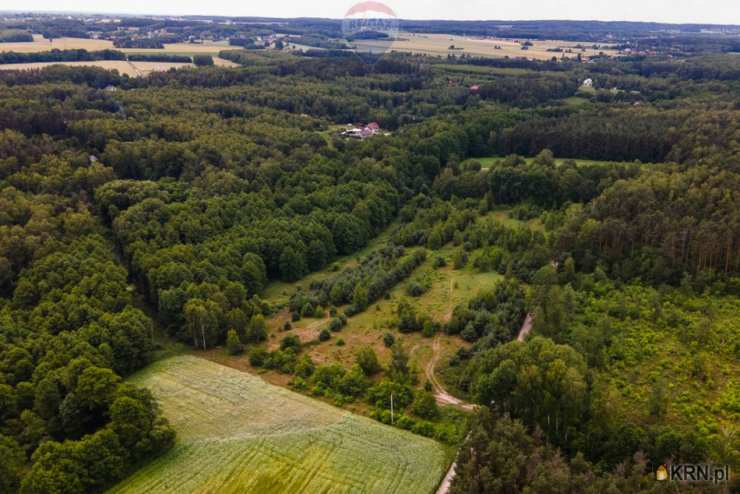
(140, 210)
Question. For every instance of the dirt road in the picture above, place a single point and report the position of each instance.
(444, 487)
(526, 328)
(440, 394)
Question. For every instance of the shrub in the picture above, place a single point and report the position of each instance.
(389, 340)
(233, 344)
(287, 326)
(324, 335)
(282, 360)
(469, 334)
(291, 341)
(414, 289)
(305, 367)
(257, 357)
(429, 328)
(203, 60)
(460, 259)
(336, 325)
(340, 342)
(368, 361)
(380, 395)
(439, 262)
(307, 310)
(425, 406)
(257, 330)
(407, 319)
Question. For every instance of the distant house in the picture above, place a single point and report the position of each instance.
(588, 83)
(362, 132)
(475, 89)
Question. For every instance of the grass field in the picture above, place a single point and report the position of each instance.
(489, 161)
(439, 44)
(237, 433)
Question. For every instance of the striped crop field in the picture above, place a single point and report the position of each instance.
(238, 434)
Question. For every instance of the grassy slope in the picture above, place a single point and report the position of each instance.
(237, 433)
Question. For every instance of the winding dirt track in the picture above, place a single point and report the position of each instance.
(440, 394)
(444, 398)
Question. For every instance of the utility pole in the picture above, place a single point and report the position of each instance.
(391, 408)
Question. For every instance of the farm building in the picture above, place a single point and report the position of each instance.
(588, 83)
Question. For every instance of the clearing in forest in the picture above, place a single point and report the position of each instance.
(236, 433)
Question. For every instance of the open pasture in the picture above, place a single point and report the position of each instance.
(236, 433)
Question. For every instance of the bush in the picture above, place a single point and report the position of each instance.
(469, 334)
(389, 340)
(336, 325)
(460, 259)
(368, 361)
(380, 395)
(425, 406)
(407, 320)
(257, 357)
(287, 326)
(324, 335)
(203, 60)
(414, 289)
(233, 344)
(307, 310)
(439, 262)
(282, 360)
(305, 367)
(429, 328)
(257, 330)
(291, 341)
(340, 342)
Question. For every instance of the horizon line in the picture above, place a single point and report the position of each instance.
(220, 16)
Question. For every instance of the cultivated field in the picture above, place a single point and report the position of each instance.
(238, 434)
(41, 44)
(133, 69)
(439, 44)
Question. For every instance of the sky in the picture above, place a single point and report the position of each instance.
(672, 11)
